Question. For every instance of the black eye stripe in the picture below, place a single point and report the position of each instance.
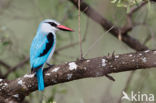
(52, 24)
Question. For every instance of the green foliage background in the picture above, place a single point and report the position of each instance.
(19, 20)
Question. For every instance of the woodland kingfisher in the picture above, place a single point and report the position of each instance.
(43, 46)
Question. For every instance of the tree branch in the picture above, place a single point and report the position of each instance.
(130, 25)
(4, 64)
(21, 64)
(95, 67)
(106, 25)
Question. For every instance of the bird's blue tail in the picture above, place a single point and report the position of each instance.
(40, 79)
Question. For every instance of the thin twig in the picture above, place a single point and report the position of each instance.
(94, 15)
(135, 9)
(19, 65)
(98, 39)
(75, 43)
(79, 29)
(7, 66)
(129, 25)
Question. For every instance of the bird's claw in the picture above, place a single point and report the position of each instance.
(50, 65)
(81, 59)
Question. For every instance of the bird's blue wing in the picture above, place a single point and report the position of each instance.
(37, 47)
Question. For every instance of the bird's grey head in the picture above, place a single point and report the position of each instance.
(49, 25)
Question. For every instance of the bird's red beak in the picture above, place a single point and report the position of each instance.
(64, 28)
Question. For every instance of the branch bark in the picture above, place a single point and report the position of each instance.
(19, 88)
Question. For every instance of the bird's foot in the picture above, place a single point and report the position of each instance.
(50, 65)
(81, 59)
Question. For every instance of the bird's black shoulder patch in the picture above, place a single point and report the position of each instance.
(50, 38)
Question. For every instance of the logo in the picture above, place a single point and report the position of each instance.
(138, 96)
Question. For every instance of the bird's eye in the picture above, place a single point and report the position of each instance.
(52, 24)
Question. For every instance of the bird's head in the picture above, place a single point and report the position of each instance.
(49, 25)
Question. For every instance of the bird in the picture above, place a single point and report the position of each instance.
(43, 46)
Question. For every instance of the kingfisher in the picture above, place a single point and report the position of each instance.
(43, 46)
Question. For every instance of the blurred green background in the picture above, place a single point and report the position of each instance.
(19, 20)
